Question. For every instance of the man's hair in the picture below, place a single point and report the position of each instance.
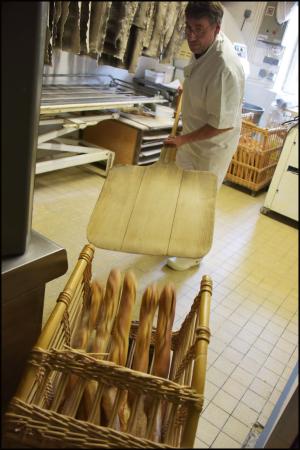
(212, 10)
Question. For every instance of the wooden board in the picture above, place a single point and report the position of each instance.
(155, 210)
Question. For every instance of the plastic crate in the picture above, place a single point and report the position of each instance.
(256, 157)
(32, 418)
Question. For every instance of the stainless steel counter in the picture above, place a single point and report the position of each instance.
(23, 285)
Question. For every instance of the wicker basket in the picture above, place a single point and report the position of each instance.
(257, 155)
(32, 418)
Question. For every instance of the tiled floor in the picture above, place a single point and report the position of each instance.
(254, 313)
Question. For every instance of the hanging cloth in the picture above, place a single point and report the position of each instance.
(137, 35)
(71, 35)
(83, 26)
(48, 40)
(177, 37)
(61, 24)
(100, 12)
(154, 48)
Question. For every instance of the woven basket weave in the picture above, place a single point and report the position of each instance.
(32, 418)
(257, 155)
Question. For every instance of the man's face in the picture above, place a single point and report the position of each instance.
(200, 34)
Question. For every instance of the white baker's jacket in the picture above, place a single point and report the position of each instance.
(213, 93)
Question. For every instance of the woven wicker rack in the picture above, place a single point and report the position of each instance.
(32, 419)
(257, 155)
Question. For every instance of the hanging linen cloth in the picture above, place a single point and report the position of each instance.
(71, 34)
(160, 18)
(85, 8)
(118, 31)
(99, 16)
(140, 26)
(172, 44)
(61, 24)
(49, 35)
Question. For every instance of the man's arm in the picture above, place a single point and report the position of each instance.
(205, 132)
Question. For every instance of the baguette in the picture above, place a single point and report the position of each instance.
(107, 312)
(162, 350)
(119, 347)
(141, 354)
(97, 289)
(166, 314)
(97, 295)
(104, 324)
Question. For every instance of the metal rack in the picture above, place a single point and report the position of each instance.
(65, 106)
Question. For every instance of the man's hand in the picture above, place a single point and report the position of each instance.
(175, 141)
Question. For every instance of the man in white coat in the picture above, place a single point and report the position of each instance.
(213, 93)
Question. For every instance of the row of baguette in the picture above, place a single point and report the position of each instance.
(103, 328)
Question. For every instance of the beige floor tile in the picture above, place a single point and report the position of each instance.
(225, 401)
(200, 444)
(216, 344)
(281, 383)
(245, 414)
(211, 356)
(236, 430)
(286, 373)
(281, 354)
(224, 311)
(263, 346)
(257, 355)
(266, 413)
(233, 355)
(250, 365)
(206, 431)
(254, 265)
(240, 345)
(293, 327)
(225, 441)
(247, 336)
(253, 400)
(238, 319)
(284, 313)
(274, 328)
(274, 396)
(254, 328)
(290, 337)
(234, 388)
(215, 415)
(242, 376)
(216, 376)
(259, 320)
(224, 365)
(210, 390)
(269, 336)
(268, 376)
(261, 388)
(274, 364)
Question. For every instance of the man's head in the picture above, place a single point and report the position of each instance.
(203, 21)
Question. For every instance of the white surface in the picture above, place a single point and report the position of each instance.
(282, 196)
(163, 111)
(155, 77)
(155, 122)
(80, 154)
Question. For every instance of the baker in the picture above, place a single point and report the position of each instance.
(213, 91)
